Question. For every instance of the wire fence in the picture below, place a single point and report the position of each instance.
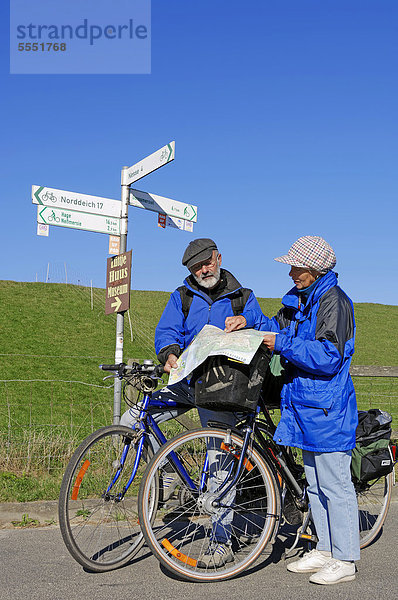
(43, 421)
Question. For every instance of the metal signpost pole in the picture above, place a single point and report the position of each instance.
(117, 394)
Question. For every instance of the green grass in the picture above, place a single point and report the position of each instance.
(51, 332)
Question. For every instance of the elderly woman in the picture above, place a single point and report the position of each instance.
(318, 405)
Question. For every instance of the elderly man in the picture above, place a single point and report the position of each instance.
(210, 295)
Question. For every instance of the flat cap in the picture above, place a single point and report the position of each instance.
(197, 251)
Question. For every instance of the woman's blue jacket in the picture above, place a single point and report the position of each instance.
(316, 341)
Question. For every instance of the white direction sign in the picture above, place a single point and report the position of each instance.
(179, 224)
(78, 220)
(156, 160)
(182, 224)
(77, 202)
(160, 204)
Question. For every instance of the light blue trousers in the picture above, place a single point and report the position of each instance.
(333, 503)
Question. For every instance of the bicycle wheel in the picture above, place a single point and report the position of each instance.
(97, 516)
(186, 529)
(373, 501)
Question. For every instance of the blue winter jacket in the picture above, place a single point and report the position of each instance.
(174, 332)
(319, 411)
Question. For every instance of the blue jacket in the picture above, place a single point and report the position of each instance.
(174, 332)
(319, 411)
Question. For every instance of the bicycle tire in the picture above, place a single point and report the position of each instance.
(101, 532)
(373, 502)
(181, 530)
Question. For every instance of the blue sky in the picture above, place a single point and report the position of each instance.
(285, 121)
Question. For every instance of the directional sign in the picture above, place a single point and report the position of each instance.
(77, 220)
(150, 163)
(179, 224)
(161, 204)
(182, 224)
(78, 202)
(118, 280)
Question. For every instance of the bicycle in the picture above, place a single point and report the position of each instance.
(253, 487)
(97, 502)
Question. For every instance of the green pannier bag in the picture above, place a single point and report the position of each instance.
(372, 457)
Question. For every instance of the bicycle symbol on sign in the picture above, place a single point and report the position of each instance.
(163, 155)
(53, 218)
(49, 196)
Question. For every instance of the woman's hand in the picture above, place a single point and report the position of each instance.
(269, 341)
(171, 363)
(235, 323)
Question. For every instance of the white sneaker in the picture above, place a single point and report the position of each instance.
(311, 562)
(335, 571)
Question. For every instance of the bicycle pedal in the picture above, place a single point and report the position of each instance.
(308, 537)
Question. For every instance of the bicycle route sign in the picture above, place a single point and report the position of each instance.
(167, 206)
(147, 165)
(77, 220)
(73, 201)
(118, 281)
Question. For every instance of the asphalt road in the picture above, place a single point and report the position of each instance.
(36, 565)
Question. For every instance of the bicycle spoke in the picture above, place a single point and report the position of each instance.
(193, 523)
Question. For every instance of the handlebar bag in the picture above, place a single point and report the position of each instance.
(228, 385)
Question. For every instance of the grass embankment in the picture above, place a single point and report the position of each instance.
(51, 332)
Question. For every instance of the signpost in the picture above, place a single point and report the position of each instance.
(118, 279)
(147, 165)
(78, 202)
(77, 220)
(160, 204)
(105, 215)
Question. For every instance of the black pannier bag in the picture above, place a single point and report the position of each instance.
(372, 457)
(225, 384)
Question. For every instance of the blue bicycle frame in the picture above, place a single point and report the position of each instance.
(147, 425)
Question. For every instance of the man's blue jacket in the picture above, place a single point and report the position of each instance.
(316, 341)
(174, 332)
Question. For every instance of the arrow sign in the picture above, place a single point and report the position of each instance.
(78, 202)
(158, 159)
(118, 281)
(160, 204)
(77, 220)
(117, 304)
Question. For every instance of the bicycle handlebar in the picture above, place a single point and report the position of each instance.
(109, 367)
(147, 368)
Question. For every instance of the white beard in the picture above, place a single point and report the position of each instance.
(209, 282)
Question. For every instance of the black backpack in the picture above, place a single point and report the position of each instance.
(372, 457)
(238, 300)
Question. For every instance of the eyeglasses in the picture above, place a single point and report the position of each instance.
(210, 262)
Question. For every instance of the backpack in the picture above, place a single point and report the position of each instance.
(238, 300)
(372, 457)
